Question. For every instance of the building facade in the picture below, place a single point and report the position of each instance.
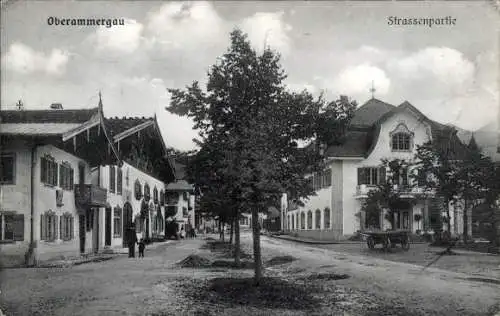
(72, 182)
(378, 131)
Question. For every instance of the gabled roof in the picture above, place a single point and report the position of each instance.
(117, 126)
(47, 116)
(370, 112)
(362, 137)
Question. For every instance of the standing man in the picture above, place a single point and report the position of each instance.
(132, 240)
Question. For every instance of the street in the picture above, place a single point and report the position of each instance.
(134, 286)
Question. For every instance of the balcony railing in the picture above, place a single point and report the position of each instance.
(89, 195)
(405, 190)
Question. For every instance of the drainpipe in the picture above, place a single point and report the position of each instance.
(30, 258)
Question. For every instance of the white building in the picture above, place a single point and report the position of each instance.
(377, 131)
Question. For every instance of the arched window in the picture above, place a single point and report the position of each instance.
(302, 220)
(138, 190)
(155, 195)
(162, 197)
(401, 138)
(293, 222)
(147, 192)
(309, 219)
(326, 214)
(318, 219)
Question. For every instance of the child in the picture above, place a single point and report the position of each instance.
(142, 246)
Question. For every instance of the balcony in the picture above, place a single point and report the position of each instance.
(89, 195)
(405, 191)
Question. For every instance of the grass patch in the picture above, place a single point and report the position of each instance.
(279, 260)
(324, 276)
(271, 293)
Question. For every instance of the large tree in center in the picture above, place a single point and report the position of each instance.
(250, 126)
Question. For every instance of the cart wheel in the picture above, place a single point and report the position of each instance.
(387, 243)
(370, 242)
(405, 243)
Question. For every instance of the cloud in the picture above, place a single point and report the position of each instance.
(185, 25)
(124, 39)
(23, 59)
(442, 67)
(270, 29)
(356, 80)
(299, 87)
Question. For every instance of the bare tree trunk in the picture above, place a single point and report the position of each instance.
(466, 222)
(237, 260)
(256, 246)
(231, 232)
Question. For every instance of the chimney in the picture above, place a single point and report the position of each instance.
(56, 106)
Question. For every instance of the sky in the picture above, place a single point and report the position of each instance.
(449, 72)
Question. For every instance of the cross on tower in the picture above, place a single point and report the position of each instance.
(19, 105)
(372, 90)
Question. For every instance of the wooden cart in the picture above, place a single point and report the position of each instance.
(388, 239)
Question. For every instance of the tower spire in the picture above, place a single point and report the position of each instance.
(100, 102)
(372, 90)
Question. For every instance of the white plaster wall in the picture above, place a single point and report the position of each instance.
(383, 147)
(351, 205)
(17, 198)
(45, 199)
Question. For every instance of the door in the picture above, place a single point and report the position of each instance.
(107, 241)
(81, 232)
(127, 222)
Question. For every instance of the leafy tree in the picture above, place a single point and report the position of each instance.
(387, 193)
(437, 173)
(249, 126)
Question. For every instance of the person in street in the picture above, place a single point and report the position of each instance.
(183, 233)
(132, 240)
(142, 246)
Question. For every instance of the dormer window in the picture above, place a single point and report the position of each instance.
(401, 138)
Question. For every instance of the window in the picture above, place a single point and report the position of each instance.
(48, 171)
(318, 219)
(371, 176)
(48, 226)
(326, 214)
(184, 211)
(112, 179)
(66, 227)
(400, 176)
(162, 198)
(117, 222)
(66, 176)
(138, 190)
(90, 220)
(155, 195)
(320, 180)
(172, 198)
(401, 141)
(11, 227)
(7, 168)
(302, 220)
(119, 181)
(309, 220)
(147, 192)
(127, 178)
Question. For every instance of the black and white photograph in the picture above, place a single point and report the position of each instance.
(281, 158)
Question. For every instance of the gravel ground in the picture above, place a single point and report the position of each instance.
(310, 281)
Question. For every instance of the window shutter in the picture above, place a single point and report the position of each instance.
(56, 231)
(61, 230)
(18, 226)
(42, 227)
(43, 167)
(329, 177)
(382, 175)
(61, 177)
(55, 173)
(71, 227)
(360, 176)
(71, 179)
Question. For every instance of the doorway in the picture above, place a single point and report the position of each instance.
(107, 238)
(127, 222)
(81, 232)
